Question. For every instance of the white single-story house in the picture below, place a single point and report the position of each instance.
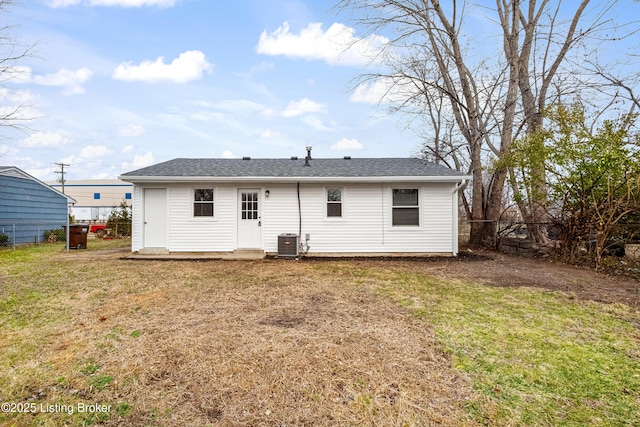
(334, 207)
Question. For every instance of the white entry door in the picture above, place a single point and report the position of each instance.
(155, 217)
(249, 220)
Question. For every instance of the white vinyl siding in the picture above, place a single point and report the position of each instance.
(137, 219)
(367, 227)
(202, 234)
(364, 228)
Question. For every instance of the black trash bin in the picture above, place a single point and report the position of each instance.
(78, 235)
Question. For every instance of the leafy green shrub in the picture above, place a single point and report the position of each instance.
(119, 221)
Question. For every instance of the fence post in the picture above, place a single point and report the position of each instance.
(68, 232)
(14, 236)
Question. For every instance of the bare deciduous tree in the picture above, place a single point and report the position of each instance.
(496, 82)
(13, 113)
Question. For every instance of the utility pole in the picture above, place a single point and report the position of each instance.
(61, 172)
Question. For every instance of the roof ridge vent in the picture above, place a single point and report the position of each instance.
(294, 157)
(246, 158)
(347, 157)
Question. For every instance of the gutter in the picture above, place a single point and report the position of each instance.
(292, 179)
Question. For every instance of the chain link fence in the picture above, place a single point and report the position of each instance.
(477, 233)
(17, 232)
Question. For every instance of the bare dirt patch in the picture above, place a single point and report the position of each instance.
(496, 269)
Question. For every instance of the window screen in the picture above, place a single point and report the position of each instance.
(203, 202)
(405, 207)
(334, 202)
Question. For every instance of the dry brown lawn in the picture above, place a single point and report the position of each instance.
(237, 343)
(245, 343)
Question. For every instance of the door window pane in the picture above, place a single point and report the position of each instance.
(249, 207)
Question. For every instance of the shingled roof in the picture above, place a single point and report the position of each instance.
(294, 169)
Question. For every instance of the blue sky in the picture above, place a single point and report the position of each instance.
(120, 84)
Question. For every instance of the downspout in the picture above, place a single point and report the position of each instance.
(299, 214)
(68, 231)
(382, 211)
(454, 207)
(458, 187)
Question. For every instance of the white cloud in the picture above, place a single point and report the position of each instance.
(190, 65)
(131, 130)
(120, 3)
(45, 139)
(42, 174)
(18, 104)
(384, 90)
(6, 150)
(304, 106)
(347, 144)
(140, 161)
(63, 3)
(337, 45)
(20, 74)
(68, 160)
(94, 151)
(262, 67)
(316, 123)
(15, 97)
(127, 149)
(19, 112)
(226, 154)
(70, 80)
(102, 175)
(371, 92)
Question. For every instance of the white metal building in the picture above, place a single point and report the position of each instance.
(95, 199)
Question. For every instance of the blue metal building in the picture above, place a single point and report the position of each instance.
(29, 207)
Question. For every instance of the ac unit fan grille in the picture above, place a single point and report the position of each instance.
(288, 245)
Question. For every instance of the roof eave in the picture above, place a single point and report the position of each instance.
(289, 179)
(25, 175)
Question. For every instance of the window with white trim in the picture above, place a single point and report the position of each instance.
(334, 202)
(405, 207)
(203, 202)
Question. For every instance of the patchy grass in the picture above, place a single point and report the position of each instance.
(216, 343)
(537, 358)
(288, 343)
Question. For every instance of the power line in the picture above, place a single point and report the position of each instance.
(61, 172)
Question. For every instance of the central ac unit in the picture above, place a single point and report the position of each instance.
(288, 245)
